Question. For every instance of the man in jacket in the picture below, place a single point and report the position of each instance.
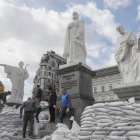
(1, 87)
(38, 96)
(66, 106)
(52, 104)
(3, 96)
(29, 109)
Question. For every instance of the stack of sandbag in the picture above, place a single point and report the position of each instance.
(111, 121)
(63, 132)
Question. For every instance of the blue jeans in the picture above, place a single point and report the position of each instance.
(63, 114)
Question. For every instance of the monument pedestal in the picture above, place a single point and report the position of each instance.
(128, 90)
(77, 80)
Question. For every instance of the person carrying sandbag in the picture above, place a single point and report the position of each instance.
(3, 96)
(1, 89)
(29, 109)
(66, 106)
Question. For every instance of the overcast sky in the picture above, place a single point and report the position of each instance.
(30, 28)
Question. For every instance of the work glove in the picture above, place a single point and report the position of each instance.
(37, 121)
(54, 106)
(35, 114)
(67, 110)
(20, 116)
(59, 110)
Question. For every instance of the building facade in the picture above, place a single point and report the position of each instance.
(105, 80)
(46, 74)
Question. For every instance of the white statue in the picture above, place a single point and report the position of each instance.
(17, 75)
(125, 43)
(75, 49)
(135, 61)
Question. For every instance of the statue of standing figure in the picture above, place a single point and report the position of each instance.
(17, 75)
(75, 49)
(128, 55)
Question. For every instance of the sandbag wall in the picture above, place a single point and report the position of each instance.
(111, 121)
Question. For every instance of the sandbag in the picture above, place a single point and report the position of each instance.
(117, 133)
(87, 125)
(88, 107)
(136, 105)
(58, 135)
(137, 127)
(99, 136)
(132, 133)
(125, 128)
(88, 111)
(137, 110)
(129, 107)
(88, 119)
(88, 122)
(101, 132)
(109, 129)
(75, 126)
(104, 124)
(96, 128)
(98, 105)
(84, 137)
(84, 133)
(117, 113)
(114, 108)
(117, 137)
(105, 121)
(102, 117)
(134, 138)
(70, 135)
(102, 110)
(120, 124)
(131, 113)
(116, 104)
(35, 129)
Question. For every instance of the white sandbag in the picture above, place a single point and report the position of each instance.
(116, 104)
(120, 124)
(70, 135)
(46, 138)
(88, 107)
(101, 132)
(137, 110)
(99, 136)
(136, 118)
(7, 135)
(136, 105)
(113, 108)
(75, 126)
(117, 138)
(109, 129)
(125, 128)
(84, 133)
(104, 124)
(102, 110)
(35, 129)
(105, 121)
(117, 113)
(129, 107)
(84, 129)
(132, 133)
(98, 105)
(131, 113)
(58, 135)
(102, 117)
(101, 113)
(61, 126)
(117, 133)
(88, 115)
(88, 122)
(88, 119)
(87, 125)
(88, 111)
(137, 127)
(134, 138)
(96, 128)
(84, 137)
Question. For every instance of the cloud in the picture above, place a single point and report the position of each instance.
(138, 16)
(27, 33)
(115, 4)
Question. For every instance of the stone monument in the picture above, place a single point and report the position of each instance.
(76, 76)
(128, 59)
(17, 75)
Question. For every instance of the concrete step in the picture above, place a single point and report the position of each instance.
(20, 138)
(49, 126)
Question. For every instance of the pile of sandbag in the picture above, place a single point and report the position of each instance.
(111, 121)
(11, 124)
(64, 133)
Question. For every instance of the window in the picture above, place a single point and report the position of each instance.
(43, 67)
(49, 74)
(111, 98)
(103, 88)
(103, 99)
(95, 89)
(43, 73)
(52, 64)
(52, 75)
(49, 80)
(110, 87)
(42, 81)
(50, 68)
(96, 100)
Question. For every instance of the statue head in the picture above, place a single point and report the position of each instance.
(75, 15)
(120, 29)
(21, 64)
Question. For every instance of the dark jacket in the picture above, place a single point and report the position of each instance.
(52, 99)
(29, 105)
(3, 96)
(39, 94)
